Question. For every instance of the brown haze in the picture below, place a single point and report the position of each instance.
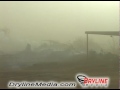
(46, 40)
(33, 22)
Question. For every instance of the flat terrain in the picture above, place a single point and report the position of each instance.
(65, 70)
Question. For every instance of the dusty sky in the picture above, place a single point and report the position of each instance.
(64, 21)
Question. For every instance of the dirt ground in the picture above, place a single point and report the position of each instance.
(64, 71)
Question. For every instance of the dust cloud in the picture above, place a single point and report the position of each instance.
(44, 34)
(33, 22)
